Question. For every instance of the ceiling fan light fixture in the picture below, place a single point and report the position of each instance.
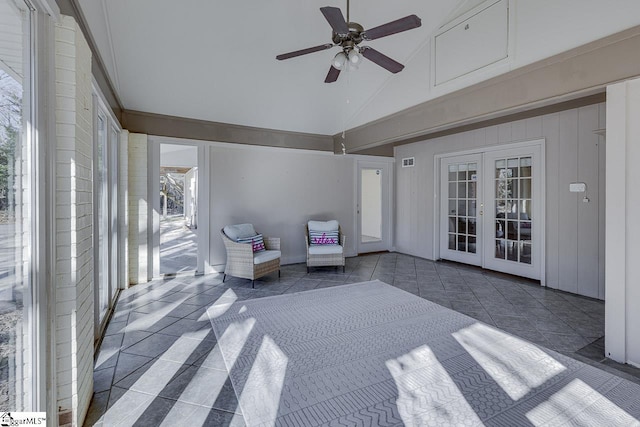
(355, 57)
(339, 61)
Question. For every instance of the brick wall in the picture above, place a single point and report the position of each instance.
(74, 218)
(138, 208)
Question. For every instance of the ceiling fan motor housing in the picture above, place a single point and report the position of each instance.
(350, 40)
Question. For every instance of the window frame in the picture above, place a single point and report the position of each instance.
(39, 60)
(112, 232)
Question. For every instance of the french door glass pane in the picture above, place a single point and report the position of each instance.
(513, 192)
(462, 206)
(16, 352)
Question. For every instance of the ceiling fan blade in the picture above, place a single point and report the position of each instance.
(382, 60)
(403, 24)
(332, 75)
(334, 16)
(304, 51)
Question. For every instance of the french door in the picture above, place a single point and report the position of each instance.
(460, 210)
(491, 209)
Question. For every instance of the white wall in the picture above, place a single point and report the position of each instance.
(279, 190)
(178, 155)
(622, 317)
(540, 29)
(574, 230)
(74, 217)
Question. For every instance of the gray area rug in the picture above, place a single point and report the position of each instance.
(373, 355)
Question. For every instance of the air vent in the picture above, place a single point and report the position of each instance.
(408, 162)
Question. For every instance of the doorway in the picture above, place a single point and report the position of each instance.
(178, 208)
(373, 207)
(492, 209)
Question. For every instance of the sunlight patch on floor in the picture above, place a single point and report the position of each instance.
(222, 304)
(144, 323)
(260, 396)
(130, 406)
(421, 402)
(579, 404)
(514, 364)
(203, 389)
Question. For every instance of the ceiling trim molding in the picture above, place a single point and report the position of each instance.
(181, 127)
(575, 74)
(98, 69)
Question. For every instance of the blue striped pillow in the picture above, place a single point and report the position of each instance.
(256, 241)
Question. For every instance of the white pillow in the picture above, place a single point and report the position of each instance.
(239, 231)
(323, 225)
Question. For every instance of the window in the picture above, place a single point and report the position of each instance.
(16, 192)
(105, 186)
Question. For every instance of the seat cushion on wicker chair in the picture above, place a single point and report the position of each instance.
(323, 225)
(325, 250)
(264, 256)
(239, 231)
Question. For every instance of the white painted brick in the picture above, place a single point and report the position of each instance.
(65, 105)
(64, 403)
(66, 77)
(65, 49)
(74, 275)
(65, 89)
(63, 350)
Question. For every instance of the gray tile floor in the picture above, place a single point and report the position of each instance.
(158, 362)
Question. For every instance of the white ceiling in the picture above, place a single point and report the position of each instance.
(215, 60)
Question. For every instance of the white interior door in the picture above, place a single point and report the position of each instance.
(374, 206)
(514, 211)
(460, 209)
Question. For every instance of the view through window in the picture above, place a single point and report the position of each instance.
(15, 208)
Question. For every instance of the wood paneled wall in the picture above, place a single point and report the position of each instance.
(574, 249)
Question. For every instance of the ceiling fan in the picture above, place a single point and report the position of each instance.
(349, 35)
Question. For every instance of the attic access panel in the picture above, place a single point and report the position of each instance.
(470, 44)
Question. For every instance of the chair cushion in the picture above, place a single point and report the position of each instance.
(325, 250)
(323, 225)
(256, 241)
(238, 231)
(264, 256)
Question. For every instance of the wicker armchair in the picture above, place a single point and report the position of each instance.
(329, 255)
(244, 263)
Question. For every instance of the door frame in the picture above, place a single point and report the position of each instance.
(482, 150)
(203, 265)
(387, 204)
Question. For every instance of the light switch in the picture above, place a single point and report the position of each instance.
(577, 187)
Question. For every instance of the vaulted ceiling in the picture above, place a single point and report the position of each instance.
(215, 61)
